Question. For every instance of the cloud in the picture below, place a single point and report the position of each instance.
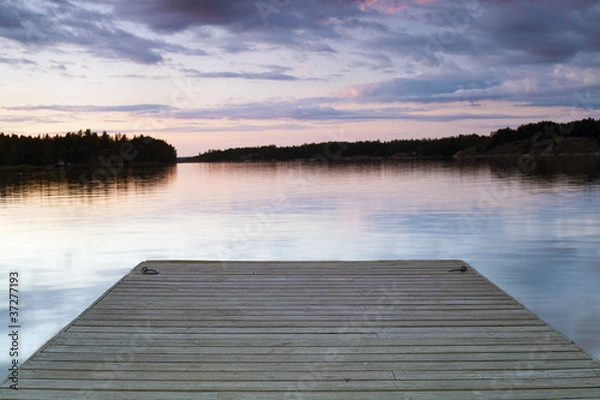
(527, 32)
(170, 16)
(237, 48)
(364, 24)
(294, 24)
(17, 61)
(236, 127)
(373, 60)
(177, 15)
(392, 6)
(134, 108)
(438, 51)
(59, 23)
(421, 90)
(302, 110)
(556, 88)
(493, 32)
(318, 109)
(271, 75)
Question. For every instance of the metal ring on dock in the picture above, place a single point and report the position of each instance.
(461, 269)
(150, 271)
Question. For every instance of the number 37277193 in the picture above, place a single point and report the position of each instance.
(13, 297)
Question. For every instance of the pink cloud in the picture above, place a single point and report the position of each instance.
(355, 91)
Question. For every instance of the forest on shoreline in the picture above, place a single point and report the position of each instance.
(545, 138)
(83, 148)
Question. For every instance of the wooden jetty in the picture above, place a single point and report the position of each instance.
(307, 330)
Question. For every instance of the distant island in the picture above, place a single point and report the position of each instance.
(83, 148)
(545, 138)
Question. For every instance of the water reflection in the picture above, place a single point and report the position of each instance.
(16, 185)
(574, 169)
(535, 235)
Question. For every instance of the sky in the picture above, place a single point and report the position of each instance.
(216, 74)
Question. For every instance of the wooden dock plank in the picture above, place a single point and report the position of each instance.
(310, 384)
(307, 330)
(337, 375)
(108, 364)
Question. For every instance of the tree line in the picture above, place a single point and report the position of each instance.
(408, 147)
(541, 133)
(538, 133)
(83, 147)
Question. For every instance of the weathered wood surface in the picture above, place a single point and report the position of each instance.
(307, 330)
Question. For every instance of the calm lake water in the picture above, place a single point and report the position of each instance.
(536, 235)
